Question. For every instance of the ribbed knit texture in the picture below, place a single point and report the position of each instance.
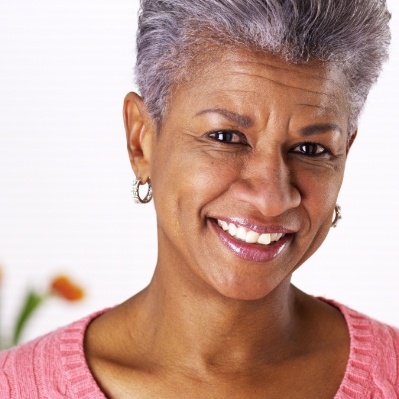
(54, 366)
(373, 366)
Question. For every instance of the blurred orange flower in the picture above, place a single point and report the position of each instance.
(61, 286)
(64, 287)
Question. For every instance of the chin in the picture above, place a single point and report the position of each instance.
(245, 291)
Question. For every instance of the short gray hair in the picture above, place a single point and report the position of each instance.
(352, 33)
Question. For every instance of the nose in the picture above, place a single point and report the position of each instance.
(266, 183)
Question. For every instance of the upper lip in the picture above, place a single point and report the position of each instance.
(257, 227)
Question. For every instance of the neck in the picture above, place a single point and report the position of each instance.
(207, 330)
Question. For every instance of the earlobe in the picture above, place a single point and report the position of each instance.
(139, 129)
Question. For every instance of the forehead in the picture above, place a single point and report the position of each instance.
(242, 74)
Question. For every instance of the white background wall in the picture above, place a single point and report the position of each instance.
(65, 203)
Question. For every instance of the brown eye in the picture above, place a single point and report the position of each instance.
(228, 137)
(310, 149)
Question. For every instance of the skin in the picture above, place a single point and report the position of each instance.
(249, 138)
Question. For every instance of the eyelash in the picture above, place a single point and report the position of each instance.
(225, 137)
(230, 133)
(315, 146)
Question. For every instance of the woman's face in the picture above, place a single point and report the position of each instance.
(246, 171)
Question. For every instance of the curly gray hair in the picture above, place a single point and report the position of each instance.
(173, 34)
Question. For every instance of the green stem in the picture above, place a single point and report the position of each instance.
(30, 305)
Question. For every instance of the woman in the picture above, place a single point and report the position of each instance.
(247, 114)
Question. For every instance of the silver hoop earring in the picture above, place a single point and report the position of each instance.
(136, 194)
(337, 216)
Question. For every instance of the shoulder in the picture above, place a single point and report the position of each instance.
(373, 366)
(27, 370)
(383, 338)
(47, 366)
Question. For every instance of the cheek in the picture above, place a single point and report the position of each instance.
(319, 197)
(320, 186)
(320, 211)
(192, 176)
(319, 191)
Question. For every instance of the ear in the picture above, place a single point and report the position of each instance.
(139, 129)
(350, 141)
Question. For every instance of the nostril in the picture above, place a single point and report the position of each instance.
(271, 197)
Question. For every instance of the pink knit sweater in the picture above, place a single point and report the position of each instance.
(54, 366)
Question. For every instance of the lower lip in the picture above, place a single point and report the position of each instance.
(252, 252)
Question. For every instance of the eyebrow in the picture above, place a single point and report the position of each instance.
(319, 128)
(246, 122)
(243, 121)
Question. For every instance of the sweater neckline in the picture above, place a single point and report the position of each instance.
(82, 384)
(361, 352)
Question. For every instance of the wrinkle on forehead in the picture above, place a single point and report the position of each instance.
(312, 75)
(234, 74)
(316, 78)
(322, 107)
(240, 120)
(290, 86)
(300, 69)
(317, 73)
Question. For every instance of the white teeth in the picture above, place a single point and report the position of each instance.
(252, 237)
(276, 236)
(265, 239)
(232, 229)
(249, 236)
(223, 225)
(241, 233)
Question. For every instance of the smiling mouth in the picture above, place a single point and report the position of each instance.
(249, 236)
